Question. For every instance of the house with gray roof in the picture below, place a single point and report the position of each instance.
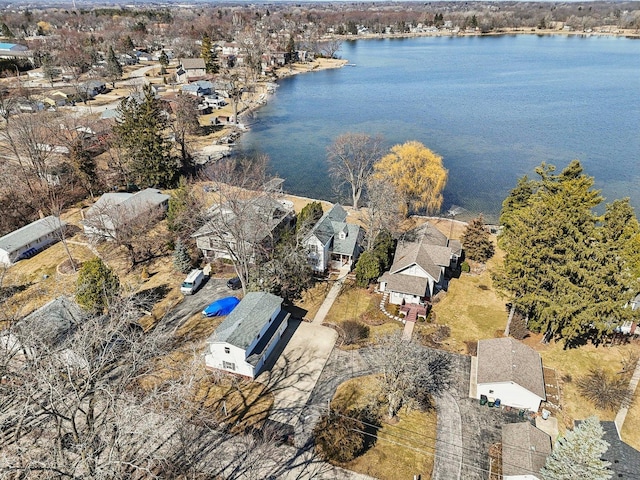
(624, 459)
(420, 261)
(243, 341)
(112, 210)
(332, 242)
(510, 371)
(30, 239)
(247, 225)
(525, 449)
(190, 69)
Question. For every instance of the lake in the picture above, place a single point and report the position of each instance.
(493, 107)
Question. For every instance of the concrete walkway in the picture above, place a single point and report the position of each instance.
(331, 296)
(633, 385)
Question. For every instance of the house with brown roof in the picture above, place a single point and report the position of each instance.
(418, 272)
(510, 371)
(525, 449)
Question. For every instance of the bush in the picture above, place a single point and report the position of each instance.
(354, 332)
(464, 267)
(603, 390)
(338, 436)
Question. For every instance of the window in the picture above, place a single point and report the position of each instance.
(229, 365)
(227, 350)
(313, 248)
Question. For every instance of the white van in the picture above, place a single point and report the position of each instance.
(192, 282)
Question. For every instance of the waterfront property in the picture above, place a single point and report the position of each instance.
(30, 239)
(420, 261)
(509, 371)
(332, 242)
(243, 341)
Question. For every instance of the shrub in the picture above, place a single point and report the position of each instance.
(338, 436)
(464, 267)
(354, 331)
(603, 390)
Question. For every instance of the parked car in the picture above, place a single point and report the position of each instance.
(234, 283)
(223, 306)
(192, 282)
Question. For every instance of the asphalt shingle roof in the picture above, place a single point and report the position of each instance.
(625, 460)
(246, 321)
(508, 360)
(19, 238)
(524, 449)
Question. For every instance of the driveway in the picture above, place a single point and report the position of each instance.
(211, 290)
(292, 379)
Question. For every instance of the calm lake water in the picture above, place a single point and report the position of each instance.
(493, 107)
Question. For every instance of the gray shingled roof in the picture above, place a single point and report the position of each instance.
(19, 238)
(54, 319)
(524, 449)
(508, 360)
(625, 460)
(242, 325)
(133, 204)
(330, 224)
(347, 246)
(192, 63)
(398, 282)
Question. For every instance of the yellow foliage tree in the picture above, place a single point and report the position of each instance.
(417, 174)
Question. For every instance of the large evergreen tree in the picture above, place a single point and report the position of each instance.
(208, 55)
(141, 134)
(113, 69)
(559, 267)
(477, 242)
(579, 454)
(96, 286)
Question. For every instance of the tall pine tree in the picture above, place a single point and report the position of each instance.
(113, 69)
(477, 242)
(578, 455)
(558, 268)
(141, 133)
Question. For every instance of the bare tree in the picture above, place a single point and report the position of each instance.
(409, 373)
(351, 158)
(184, 122)
(70, 402)
(128, 226)
(330, 48)
(383, 212)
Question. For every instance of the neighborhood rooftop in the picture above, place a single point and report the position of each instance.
(30, 233)
(247, 319)
(506, 359)
(524, 449)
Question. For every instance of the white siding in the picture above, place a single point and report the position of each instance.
(320, 257)
(415, 271)
(218, 358)
(520, 477)
(396, 298)
(510, 394)
(4, 257)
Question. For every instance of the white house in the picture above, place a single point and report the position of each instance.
(112, 210)
(332, 242)
(30, 239)
(525, 449)
(510, 371)
(419, 264)
(190, 69)
(243, 341)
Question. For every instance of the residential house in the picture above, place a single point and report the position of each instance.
(510, 371)
(48, 325)
(332, 242)
(190, 69)
(199, 88)
(93, 88)
(12, 50)
(55, 99)
(525, 449)
(420, 262)
(243, 341)
(30, 239)
(112, 210)
(258, 222)
(624, 459)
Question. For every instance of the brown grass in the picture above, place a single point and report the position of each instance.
(402, 449)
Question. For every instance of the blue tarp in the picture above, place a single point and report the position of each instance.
(224, 306)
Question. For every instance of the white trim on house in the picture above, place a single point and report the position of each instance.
(30, 239)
